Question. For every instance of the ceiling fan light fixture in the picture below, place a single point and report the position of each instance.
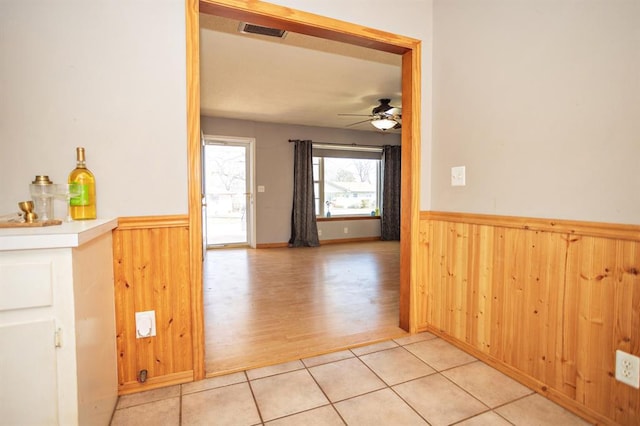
(384, 123)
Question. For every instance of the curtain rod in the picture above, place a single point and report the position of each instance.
(339, 144)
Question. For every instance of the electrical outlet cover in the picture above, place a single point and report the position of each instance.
(628, 369)
(145, 324)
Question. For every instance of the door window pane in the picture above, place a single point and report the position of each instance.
(226, 194)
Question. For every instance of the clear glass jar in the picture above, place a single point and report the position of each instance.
(42, 192)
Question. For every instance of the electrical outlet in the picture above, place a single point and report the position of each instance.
(346, 230)
(319, 232)
(145, 324)
(628, 369)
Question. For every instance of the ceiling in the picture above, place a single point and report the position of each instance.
(295, 80)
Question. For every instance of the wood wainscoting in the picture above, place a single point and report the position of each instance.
(548, 302)
(151, 270)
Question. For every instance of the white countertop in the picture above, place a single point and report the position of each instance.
(68, 234)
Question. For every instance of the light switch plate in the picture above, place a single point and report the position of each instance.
(260, 188)
(458, 176)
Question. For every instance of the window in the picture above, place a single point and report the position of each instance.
(346, 180)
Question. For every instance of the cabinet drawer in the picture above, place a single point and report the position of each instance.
(26, 285)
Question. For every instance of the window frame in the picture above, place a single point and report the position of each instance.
(342, 152)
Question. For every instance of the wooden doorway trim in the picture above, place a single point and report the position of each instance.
(305, 23)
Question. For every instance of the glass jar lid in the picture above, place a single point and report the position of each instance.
(42, 180)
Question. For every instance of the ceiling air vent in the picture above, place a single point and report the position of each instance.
(257, 29)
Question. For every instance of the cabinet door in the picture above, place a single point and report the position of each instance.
(28, 390)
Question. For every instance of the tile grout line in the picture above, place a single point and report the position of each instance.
(253, 395)
(304, 367)
(435, 371)
(390, 387)
(439, 372)
(180, 407)
(322, 390)
(490, 409)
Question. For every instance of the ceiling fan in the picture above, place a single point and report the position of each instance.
(383, 117)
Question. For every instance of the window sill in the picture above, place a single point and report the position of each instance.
(338, 218)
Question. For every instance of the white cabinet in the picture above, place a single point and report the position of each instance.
(28, 394)
(57, 325)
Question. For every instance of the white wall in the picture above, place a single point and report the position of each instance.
(540, 100)
(107, 75)
(274, 171)
(409, 18)
(110, 76)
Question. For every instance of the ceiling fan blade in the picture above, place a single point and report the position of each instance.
(359, 122)
(384, 111)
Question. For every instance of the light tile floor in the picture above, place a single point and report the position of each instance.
(415, 380)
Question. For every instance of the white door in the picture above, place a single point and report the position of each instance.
(228, 191)
(203, 197)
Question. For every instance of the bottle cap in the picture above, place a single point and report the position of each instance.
(80, 154)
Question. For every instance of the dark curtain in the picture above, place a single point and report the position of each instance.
(304, 229)
(391, 181)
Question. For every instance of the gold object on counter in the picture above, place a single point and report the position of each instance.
(29, 218)
(27, 208)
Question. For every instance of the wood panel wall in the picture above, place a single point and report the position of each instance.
(548, 302)
(151, 270)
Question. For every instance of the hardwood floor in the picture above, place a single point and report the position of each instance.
(266, 306)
